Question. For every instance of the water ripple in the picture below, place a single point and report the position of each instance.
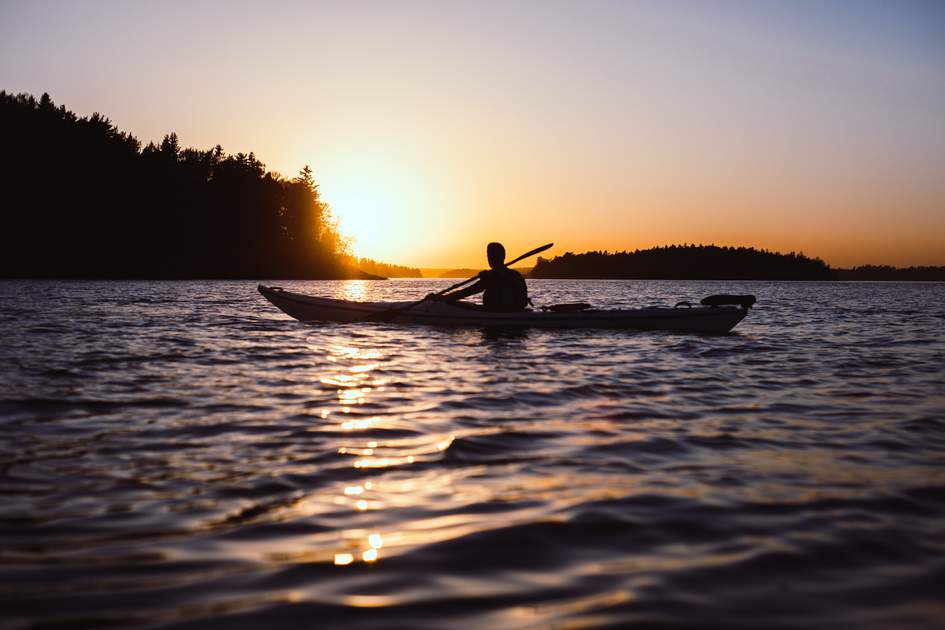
(177, 452)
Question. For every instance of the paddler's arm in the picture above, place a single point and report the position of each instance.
(461, 293)
(478, 287)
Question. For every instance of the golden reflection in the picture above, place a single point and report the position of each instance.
(352, 377)
(339, 379)
(352, 352)
(359, 369)
(369, 547)
(352, 382)
(369, 554)
(359, 424)
(355, 290)
(369, 601)
(574, 606)
(375, 454)
(350, 397)
(383, 462)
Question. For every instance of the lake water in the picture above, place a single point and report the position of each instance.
(176, 453)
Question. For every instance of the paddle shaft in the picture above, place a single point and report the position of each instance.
(395, 311)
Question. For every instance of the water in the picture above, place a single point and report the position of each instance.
(174, 453)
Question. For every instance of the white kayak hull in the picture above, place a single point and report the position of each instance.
(306, 308)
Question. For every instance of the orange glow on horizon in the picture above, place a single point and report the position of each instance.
(434, 128)
(388, 224)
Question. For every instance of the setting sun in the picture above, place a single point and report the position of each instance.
(377, 199)
(364, 213)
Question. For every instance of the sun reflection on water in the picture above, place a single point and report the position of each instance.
(385, 447)
(355, 290)
(355, 379)
(342, 559)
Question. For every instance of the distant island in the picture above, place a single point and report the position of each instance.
(902, 274)
(85, 200)
(685, 262)
(711, 262)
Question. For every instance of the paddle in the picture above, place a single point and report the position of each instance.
(389, 314)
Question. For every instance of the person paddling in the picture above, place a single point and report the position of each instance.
(502, 289)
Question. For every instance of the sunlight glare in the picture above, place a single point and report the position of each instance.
(376, 199)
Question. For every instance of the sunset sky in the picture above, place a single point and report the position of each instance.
(434, 127)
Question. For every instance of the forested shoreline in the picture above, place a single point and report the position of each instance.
(371, 266)
(685, 262)
(85, 200)
(881, 273)
(711, 262)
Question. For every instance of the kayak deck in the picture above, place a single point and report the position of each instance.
(306, 308)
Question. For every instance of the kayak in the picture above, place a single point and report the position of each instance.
(683, 317)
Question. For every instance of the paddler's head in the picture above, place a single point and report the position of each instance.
(496, 255)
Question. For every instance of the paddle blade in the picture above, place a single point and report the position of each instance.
(537, 250)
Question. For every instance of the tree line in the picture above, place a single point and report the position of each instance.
(711, 262)
(83, 199)
(371, 266)
(685, 262)
(886, 272)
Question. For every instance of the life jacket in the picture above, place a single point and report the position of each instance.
(505, 290)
